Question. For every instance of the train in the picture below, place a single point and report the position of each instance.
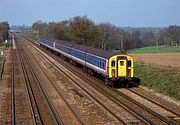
(115, 67)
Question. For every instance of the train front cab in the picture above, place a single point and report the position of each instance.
(121, 68)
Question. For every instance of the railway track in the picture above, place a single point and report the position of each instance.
(168, 120)
(127, 107)
(35, 111)
(92, 96)
(138, 120)
(54, 112)
(21, 105)
(73, 109)
(63, 96)
(12, 95)
(154, 116)
(19, 102)
(175, 114)
(55, 116)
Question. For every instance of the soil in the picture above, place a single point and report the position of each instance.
(165, 59)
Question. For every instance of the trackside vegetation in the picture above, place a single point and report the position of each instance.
(4, 29)
(165, 80)
(83, 30)
(2, 47)
(4, 35)
(154, 49)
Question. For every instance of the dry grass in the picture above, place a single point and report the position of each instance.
(165, 80)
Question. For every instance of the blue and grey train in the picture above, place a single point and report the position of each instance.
(112, 65)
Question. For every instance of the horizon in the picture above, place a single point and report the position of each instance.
(26, 26)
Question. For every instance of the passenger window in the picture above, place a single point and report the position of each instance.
(113, 63)
(129, 63)
(121, 63)
(103, 65)
(100, 64)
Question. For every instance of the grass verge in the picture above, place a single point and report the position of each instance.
(165, 80)
(2, 47)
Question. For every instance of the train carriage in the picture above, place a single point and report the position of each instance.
(48, 43)
(112, 65)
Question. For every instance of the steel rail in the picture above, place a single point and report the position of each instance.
(152, 101)
(50, 105)
(12, 93)
(62, 95)
(162, 118)
(30, 92)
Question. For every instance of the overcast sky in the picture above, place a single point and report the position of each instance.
(136, 13)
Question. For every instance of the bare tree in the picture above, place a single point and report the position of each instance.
(41, 27)
(106, 33)
(173, 32)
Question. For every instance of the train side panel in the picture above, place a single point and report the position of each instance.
(93, 62)
(47, 43)
(96, 63)
(71, 53)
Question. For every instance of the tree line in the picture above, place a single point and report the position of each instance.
(4, 31)
(83, 30)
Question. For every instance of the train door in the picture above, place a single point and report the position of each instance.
(122, 68)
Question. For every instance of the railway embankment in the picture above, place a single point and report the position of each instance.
(162, 79)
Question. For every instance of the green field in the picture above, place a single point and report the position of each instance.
(153, 49)
(165, 80)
